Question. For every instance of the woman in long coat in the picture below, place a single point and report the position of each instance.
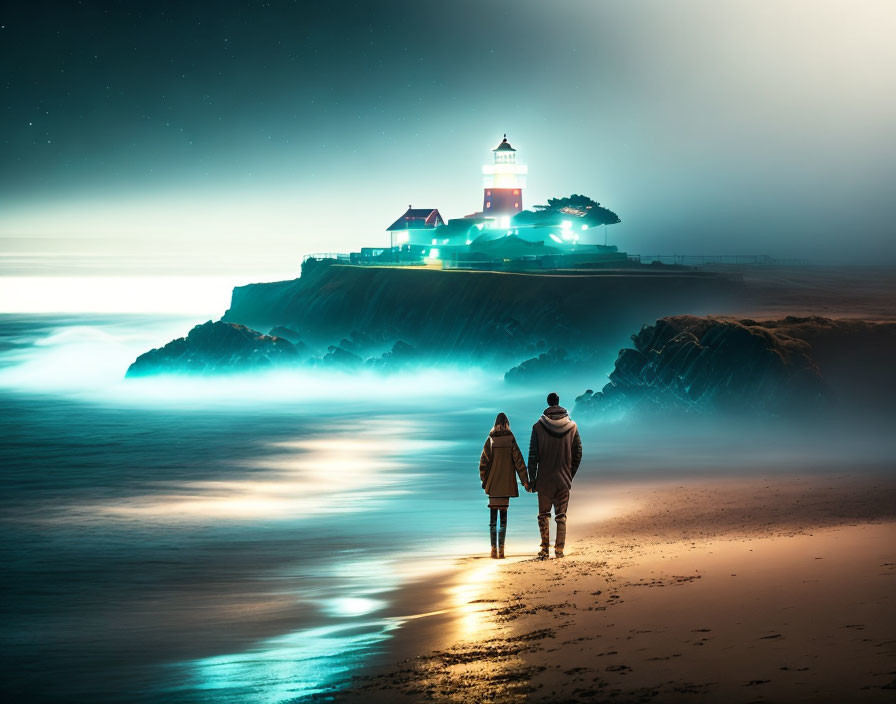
(499, 465)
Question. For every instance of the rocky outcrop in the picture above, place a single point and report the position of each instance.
(399, 357)
(551, 364)
(216, 347)
(340, 358)
(706, 365)
(287, 334)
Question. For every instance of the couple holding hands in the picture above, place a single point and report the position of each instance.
(555, 452)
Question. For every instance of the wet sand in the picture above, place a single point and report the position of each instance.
(740, 590)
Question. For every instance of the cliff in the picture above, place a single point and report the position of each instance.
(487, 315)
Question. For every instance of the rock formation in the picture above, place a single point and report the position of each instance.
(548, 365)
(340, 358)
(287, 334)
(705, 365)
(399, 357)
(215, 347)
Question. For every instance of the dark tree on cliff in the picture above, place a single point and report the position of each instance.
(590, 212)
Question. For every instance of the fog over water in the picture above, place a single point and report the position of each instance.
(246, 538)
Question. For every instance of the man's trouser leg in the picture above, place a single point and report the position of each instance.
(561, 502)
(544, 520)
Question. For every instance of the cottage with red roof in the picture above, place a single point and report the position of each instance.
(415, 226)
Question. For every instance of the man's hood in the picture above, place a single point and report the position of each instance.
(556, 421)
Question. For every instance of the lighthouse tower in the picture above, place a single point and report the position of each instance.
(503, 183)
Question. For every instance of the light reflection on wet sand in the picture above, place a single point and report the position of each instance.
(285, 668)
(299, 664)
(470, 598)
(308, 661)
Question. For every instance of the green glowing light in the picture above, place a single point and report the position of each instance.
(355, 606)
(289, 667)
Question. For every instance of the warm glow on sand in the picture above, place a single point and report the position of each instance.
(469, 597)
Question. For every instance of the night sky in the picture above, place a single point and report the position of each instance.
(238, 128)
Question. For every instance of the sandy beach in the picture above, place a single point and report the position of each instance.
(739, 590)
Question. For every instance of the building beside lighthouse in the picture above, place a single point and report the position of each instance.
(415, 226)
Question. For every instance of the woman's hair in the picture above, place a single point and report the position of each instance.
(502, 422)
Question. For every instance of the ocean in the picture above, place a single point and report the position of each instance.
(228, 539)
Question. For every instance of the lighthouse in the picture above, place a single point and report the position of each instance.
(503, 183)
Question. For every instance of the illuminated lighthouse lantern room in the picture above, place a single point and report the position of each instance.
(503, 183)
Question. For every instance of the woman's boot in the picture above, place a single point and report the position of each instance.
(502, 532)
(493, 531)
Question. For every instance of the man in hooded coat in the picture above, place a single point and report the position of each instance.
(555, 452)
